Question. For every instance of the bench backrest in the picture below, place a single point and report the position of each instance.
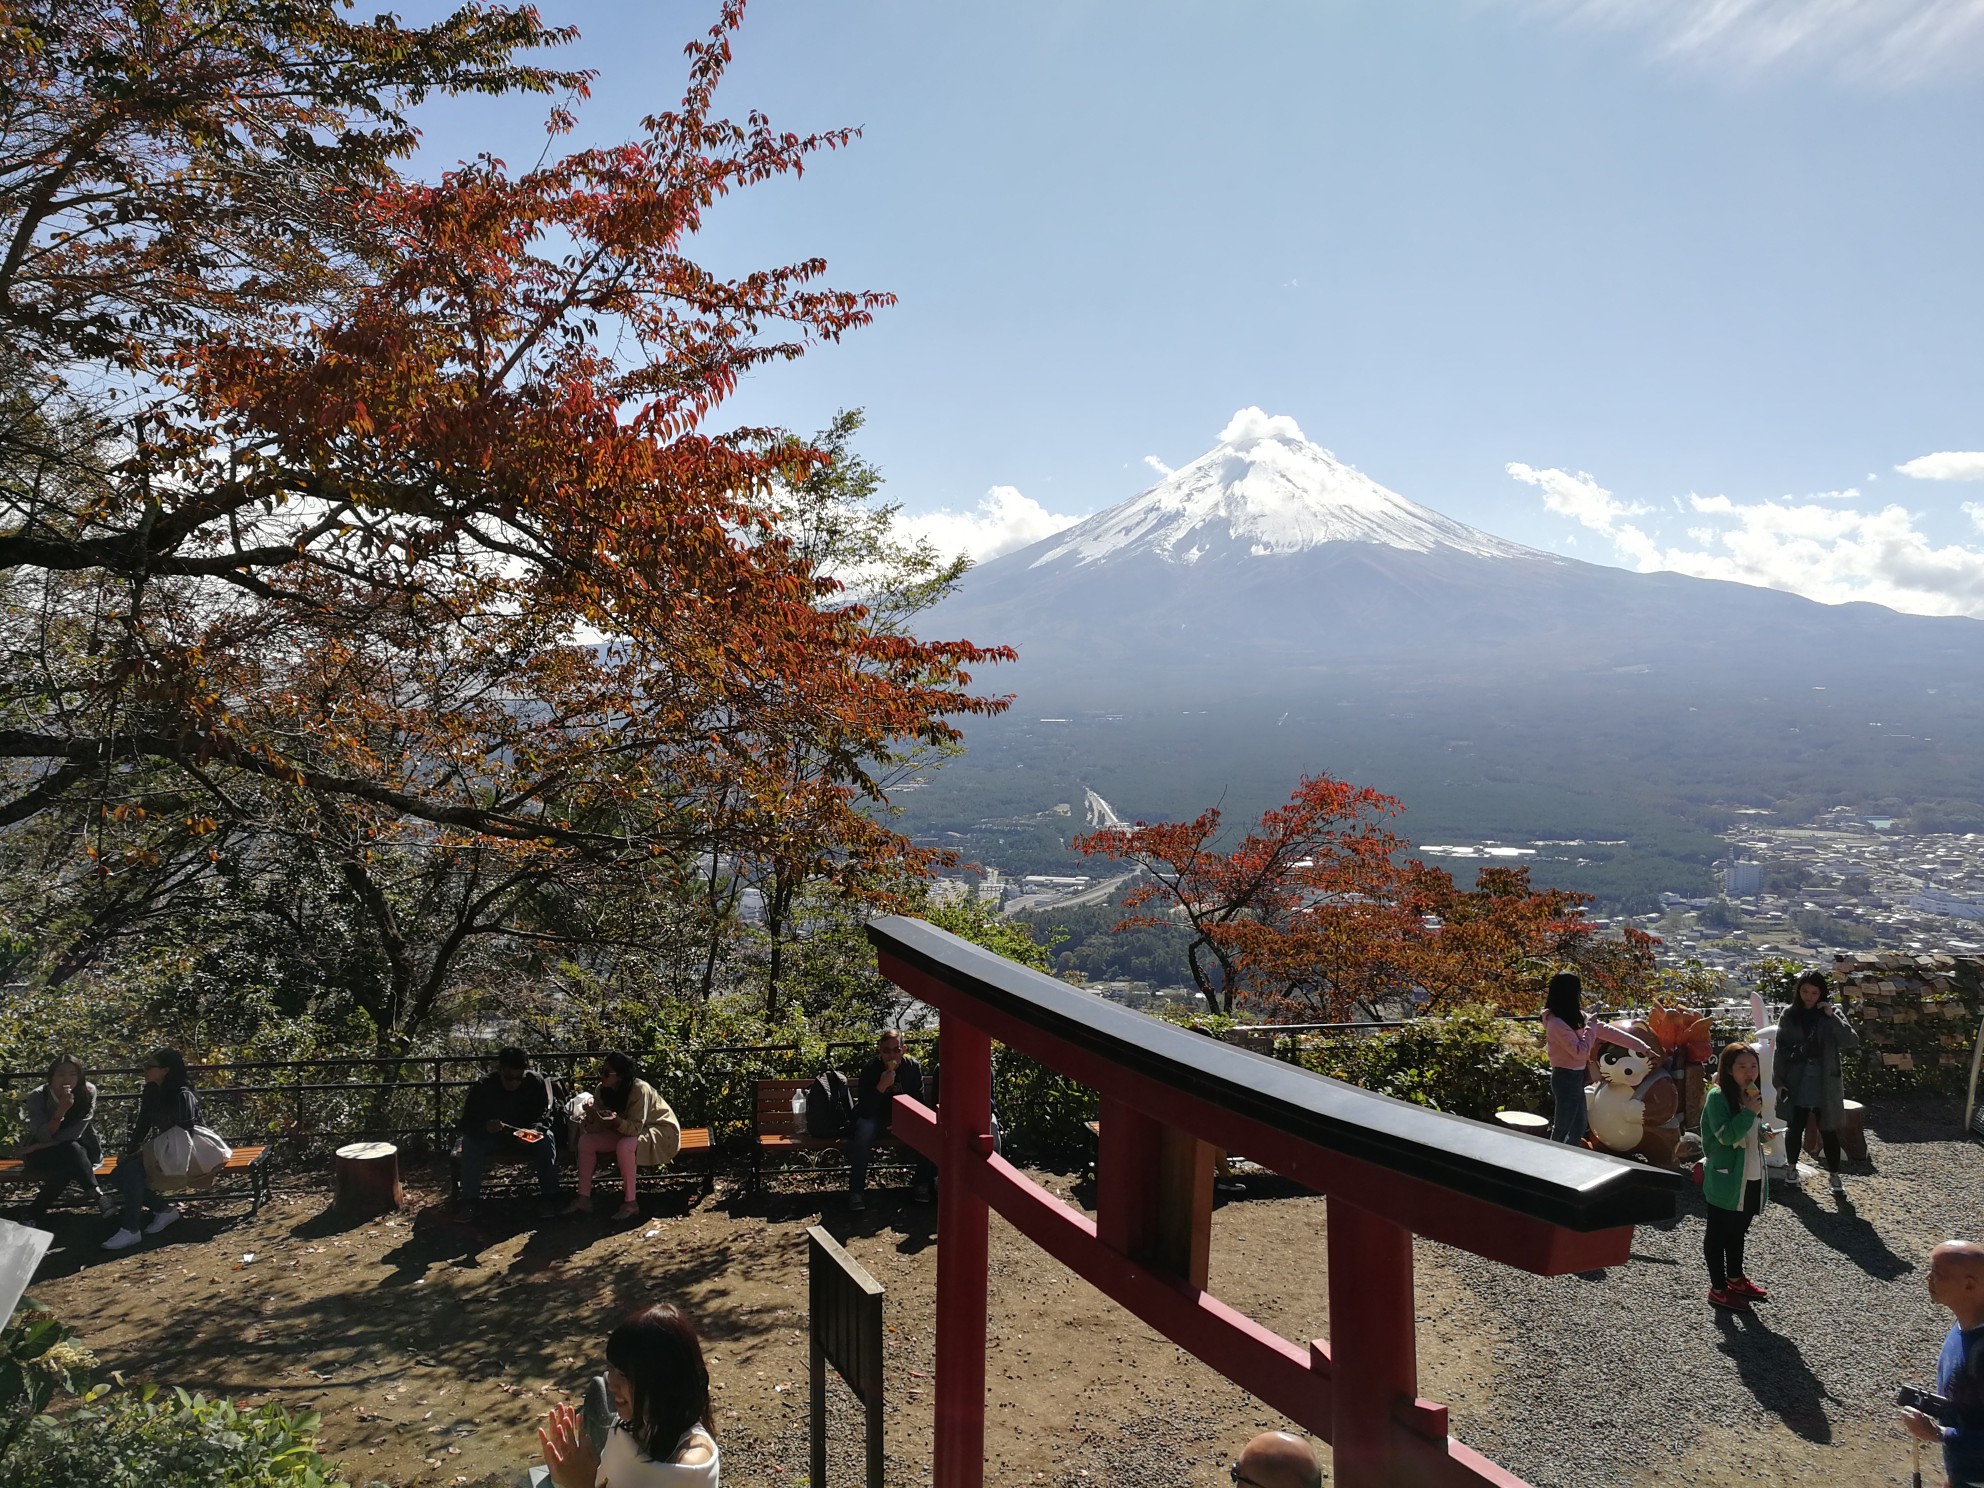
(773, 1110)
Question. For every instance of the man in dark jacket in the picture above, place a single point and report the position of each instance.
(889, 1074)
(507, 1114)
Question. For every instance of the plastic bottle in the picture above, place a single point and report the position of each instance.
(799, 1111)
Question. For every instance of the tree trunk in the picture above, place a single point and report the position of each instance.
(367, 1180)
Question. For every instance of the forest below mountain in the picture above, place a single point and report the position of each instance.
(1627, 792)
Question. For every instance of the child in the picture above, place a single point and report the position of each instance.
(661, 1398)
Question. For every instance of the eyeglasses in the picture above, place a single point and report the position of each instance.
(1241, 1478)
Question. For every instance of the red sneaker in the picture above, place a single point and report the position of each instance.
(1730, 1298)
(1742, 1286)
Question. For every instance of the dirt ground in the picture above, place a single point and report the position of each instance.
(432, 1348)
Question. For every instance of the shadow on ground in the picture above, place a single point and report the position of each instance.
(1773, 1370)
(1844, 1230)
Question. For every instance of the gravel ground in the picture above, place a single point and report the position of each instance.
(1635, 1379)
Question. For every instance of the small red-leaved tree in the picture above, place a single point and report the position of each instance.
(1317, 914)
(1325, 859)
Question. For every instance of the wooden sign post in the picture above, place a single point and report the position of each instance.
(845, 1307)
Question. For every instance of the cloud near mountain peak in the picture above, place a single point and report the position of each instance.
(1832, 554)
(1250, 426)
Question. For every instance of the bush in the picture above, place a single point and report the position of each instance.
(140, 1438)
(1042, 1113)
(148, 1438)
(1468, 1062)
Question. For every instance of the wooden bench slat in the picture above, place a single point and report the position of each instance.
(14, 1169)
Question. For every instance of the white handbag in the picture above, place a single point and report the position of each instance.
(181, 1158)
(210, 1152)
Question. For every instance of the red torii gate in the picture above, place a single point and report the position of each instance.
(1390, 1170)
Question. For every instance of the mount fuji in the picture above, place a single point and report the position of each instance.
(1267, 610)
(1267, 560)
(1263, 491)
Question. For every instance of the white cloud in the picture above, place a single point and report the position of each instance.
(1163, 470)
(1584, 501)
(1006, 520)
(1947, 465)
(1250, 426)
(1884, 41)
(1828, 553)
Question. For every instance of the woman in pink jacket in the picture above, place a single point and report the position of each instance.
(1569, 1036)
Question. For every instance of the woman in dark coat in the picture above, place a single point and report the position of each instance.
(62, 1146)
(167, 1101)
(1811, 1036)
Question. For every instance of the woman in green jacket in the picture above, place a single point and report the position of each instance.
(1733, 1134)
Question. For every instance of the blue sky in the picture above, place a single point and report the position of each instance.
(1721, 255)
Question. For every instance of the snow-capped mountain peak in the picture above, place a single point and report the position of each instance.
(1264, 490)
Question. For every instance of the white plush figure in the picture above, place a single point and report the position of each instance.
(1766, 1042)
(1616, 1113)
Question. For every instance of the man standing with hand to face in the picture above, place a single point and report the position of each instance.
(889, 1074)
(1956, 1281)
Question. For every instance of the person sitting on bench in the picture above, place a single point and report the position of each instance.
(629, 1119)
(508, 1114)
(62, 1146)
(168, 1101)
(660, 1390)
(889, 1074)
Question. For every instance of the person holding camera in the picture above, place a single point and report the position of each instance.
(1955, 1419)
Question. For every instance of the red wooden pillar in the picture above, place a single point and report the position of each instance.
(964, 1126)
(1374, 1361)
(1153, 1193)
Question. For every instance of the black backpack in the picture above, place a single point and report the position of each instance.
(829, 1106)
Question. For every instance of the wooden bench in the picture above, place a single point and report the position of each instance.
(250, 1160)
(697, 1145)
(772, 1125)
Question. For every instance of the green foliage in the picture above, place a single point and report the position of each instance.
(1721, 915)
(979, 923)
(139, 1438)
(148, 1438)
(1468, 1062)
(1088, 945)
(1774, 977)
(39, 1359)
(1044, 1114)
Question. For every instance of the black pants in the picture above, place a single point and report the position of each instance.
(1829, 1140)
(1722, 1244)
(58, 1167)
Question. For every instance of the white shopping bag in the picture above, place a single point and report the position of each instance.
(210, 1152)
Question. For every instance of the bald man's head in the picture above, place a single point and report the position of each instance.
(1278, 1459)
(1956, 1279)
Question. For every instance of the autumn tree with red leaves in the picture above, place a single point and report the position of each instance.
(382, 512)
(1316, 914)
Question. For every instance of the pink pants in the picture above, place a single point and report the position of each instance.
(592, 1144)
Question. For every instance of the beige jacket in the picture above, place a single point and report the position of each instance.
(647, 1116)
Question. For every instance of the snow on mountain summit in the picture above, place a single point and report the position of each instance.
(1264, 489)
